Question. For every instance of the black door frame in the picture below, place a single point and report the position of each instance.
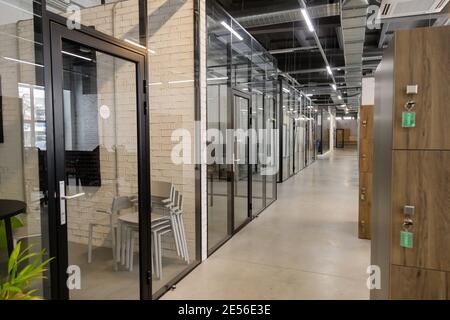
(54, 31)
(231, 195)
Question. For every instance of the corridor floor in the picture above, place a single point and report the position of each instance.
(304, 246)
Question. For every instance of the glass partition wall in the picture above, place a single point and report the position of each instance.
(76, 143)
(23, 135)
(323, 131)
(297, 118)
(241, 98)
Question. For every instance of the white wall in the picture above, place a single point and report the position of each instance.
(368, 92)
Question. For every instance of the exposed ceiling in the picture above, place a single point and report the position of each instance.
(350, 39)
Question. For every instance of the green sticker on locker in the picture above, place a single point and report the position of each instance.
(408, 119)
(406, 239)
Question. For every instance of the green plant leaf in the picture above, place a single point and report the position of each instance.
(13, 258)
(20, 278)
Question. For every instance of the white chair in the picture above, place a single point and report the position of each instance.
(160, 228)
(110, 220)
(30, 230)
(178, 212)
(130, 228)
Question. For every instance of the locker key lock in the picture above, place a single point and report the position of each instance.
(407, 223)
(409, 211)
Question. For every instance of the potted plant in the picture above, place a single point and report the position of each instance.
(18, 283)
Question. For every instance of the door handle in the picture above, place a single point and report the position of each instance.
(73, 197)
(62, 201)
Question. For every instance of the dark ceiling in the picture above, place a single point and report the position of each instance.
(305, 63)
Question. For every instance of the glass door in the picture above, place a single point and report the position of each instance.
(241, 176)
(100, 144)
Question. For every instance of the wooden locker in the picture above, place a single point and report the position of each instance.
(365, 205)
(427, 66)
(448, 285)
(417, 284)
(412, 166)
(366, 123)
(365, 155)
(422, 179)
(365, 171)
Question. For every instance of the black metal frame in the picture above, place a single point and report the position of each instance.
(231, 92)
(231, 211)
(57, 33)
(232, 230)
(282, 142)
(54, 288)
(198, 165)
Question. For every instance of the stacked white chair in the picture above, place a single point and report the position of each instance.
(109, 220)
(172, 223)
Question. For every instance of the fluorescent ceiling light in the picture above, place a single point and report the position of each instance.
(307, 20)
(334, 87)
(75, 55)
(180, 81)
(19, 8)
(24, 62)
(329, 70)
(286, 90)
(348, 118)
(155, 84)
(217, 78)
(139, 45)
(309, 94)
(232, 31)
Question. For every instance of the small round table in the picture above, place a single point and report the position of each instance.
(8, 209)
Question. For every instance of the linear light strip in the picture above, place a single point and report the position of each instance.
(140, 46)
(180, 81)
(75, 55)
(19, 8)
(24, 62)
(329, 70)
(307, 20)
(232, 31)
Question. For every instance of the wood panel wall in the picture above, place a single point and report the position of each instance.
(365, 171)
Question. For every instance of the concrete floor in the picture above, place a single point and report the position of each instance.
(304, 246)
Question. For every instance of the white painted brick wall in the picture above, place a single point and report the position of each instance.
(172, 106)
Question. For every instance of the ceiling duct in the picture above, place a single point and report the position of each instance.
(404, 8)
(288, 16)
(353, 21)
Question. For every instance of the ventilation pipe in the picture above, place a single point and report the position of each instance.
(353, 21)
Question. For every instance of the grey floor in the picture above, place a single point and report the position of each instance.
(304, 246)
(100, 281)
